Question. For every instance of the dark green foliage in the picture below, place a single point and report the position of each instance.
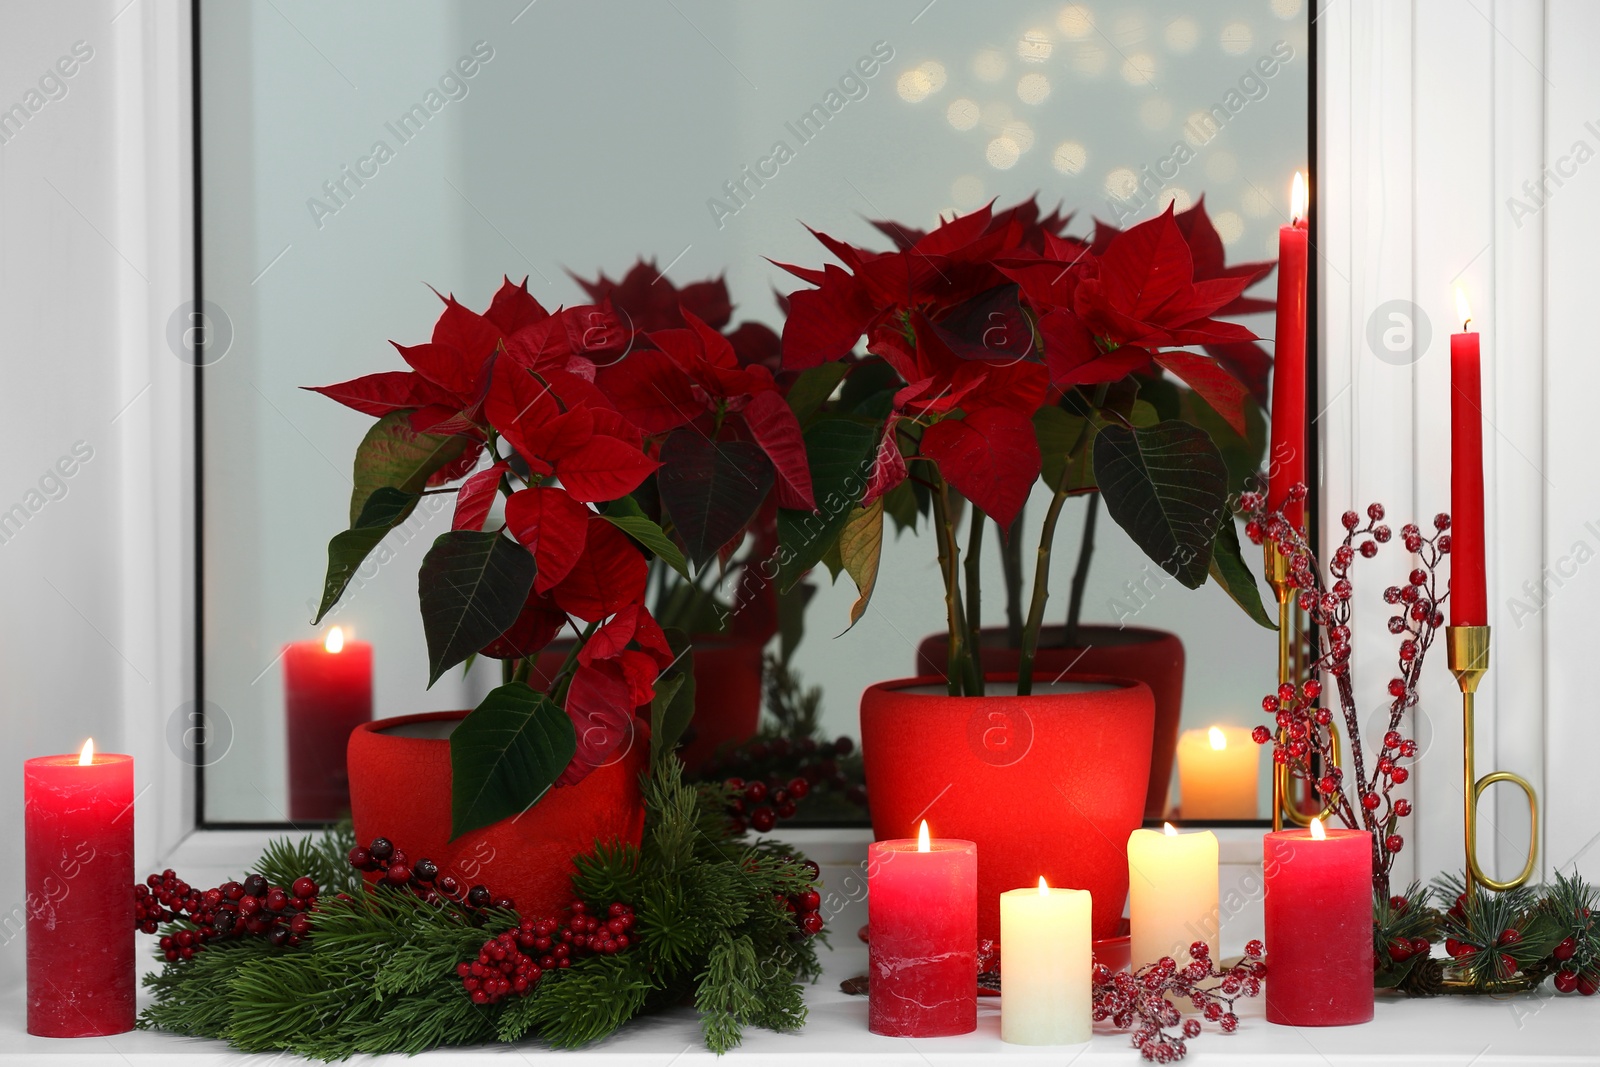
(378, 973)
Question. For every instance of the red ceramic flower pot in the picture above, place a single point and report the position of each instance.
(1049, 784)
(400, 789)
(1154, 657)
(727, 692)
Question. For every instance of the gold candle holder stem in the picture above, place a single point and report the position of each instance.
(1276, 568)
(1467, 649)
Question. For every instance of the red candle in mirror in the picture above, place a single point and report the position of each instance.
(1286, 462)
(328, 693)
(1469, 589)
(1318, 908)
(78, 816)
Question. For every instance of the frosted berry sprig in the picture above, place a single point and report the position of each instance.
(1146, 1000)
(514, 961)
(231, 910)
(1303, 740)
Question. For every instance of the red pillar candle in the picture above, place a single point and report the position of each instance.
(78, 812)
(1319, 926)
(1469, 590)
(328, 691)
(922, 916)
(1286, 462)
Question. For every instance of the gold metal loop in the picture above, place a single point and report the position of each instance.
(1291, 810)
(1472, 831)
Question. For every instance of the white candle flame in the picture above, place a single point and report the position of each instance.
(1168, 829)
(923, 844)
(1297, 198)
(334, 642)
(1317, 832)
(86, 754)
(1463, 309)
(1219, 740)
(1044, 888)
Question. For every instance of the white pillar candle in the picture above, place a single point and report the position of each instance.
(1045, 966)
(1217, 772)
(1172, 894)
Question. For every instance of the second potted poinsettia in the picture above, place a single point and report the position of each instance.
(1001, 353)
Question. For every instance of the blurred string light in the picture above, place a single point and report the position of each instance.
(1080, 42)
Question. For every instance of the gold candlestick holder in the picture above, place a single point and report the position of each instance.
(1290, 668)
(1467, 649)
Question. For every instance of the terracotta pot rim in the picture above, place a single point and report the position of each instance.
(1117, 682)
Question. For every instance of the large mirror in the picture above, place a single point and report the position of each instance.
(354, 155)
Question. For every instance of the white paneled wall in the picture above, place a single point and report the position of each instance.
(1438, 119)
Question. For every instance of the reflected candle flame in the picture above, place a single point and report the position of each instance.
(1219, 740)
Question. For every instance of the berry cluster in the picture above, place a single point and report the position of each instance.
(395, 869)
(770, 776)
(1303, 739)
(233, 909)
(1139, 1001)
(514, 961)
(806, 905)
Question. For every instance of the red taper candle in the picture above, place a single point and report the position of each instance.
(1469, 587)
(78, 816)
(328, 691)
(1286, 462)
(1319, 926)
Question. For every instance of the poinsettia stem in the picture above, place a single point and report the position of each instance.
(1080, 574)
(1041, 593)
(563, 679)
(974, 574)
(959, 677)
(1011, 563)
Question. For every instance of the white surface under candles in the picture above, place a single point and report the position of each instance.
(1046, 961)
(1172, 894)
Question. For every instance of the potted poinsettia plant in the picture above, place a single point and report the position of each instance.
(1119, 646)
(1000, 353)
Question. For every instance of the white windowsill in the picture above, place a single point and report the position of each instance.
(1459, 1031)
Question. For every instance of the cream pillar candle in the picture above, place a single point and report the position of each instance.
(1172, 894)
(1217, 772)
(1045, 960)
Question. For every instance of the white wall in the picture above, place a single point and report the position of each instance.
(93, 259)
(1434, 115)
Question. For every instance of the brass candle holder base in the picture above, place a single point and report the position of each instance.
(1456, 983)
(1467, 649)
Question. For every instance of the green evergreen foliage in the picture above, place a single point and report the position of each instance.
(378, 973)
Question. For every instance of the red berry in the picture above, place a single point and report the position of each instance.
(1261, 735)
(1566, 950)
(798, 788)
(763, 818)
(756, 792)
(1350, 520)
(812, 923)
(1370, 801)
(1400, 775)
(1400, 950)
(1566, 981)
(1589, 983)
(1369, 549)
(304, 887)
(1394, 843)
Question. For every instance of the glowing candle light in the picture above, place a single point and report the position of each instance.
(1218, 769)
(327, 692)
(1319, 926)
(1172, 894)
(1046, 951)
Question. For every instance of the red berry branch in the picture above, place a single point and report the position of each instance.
(1303, 740)
(1146, 1000)
(514, 961)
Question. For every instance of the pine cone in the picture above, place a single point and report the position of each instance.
(1426, 979)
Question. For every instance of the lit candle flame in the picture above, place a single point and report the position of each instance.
(1219, 740)
(1297, 198)
(334, 642)
(1168, 829)
(923, 844)
(1044, 889)
(1463, 309)
(1317, 832)
(86, 755)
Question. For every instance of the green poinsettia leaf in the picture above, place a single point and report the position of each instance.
(840, 452)
(385, 509)
(472, 585)
(860, 548)
(393, 454)
(1167, 487)
(626, 515)
(1229, 569)
(504, 756)
(813, 387)
(1064, 452)
(711, 489)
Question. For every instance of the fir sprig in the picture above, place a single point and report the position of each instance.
(378, 972)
